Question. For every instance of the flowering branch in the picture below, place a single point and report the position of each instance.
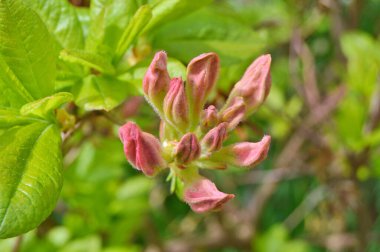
(191, 138)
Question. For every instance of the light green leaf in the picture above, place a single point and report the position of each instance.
(31, 176)
(208, 31)
(27, 54)
(363, 54)
(10, 118)
(100, 92)
(45, 105)
(168, 10)
(108, 21)
(134, 28)
(62, 21)
(88, 59)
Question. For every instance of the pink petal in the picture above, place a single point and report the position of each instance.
(255, 84)
(202, 196)
(142, 150)
(250, 154)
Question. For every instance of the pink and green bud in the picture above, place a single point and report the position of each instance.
(176, 108)
(255, 84)
(249, 154)
(156, 80)
(141, 149)
(234, 113)
(202, 73)
(203, 196)
(209, 117)
(214, 139)
(188, 149)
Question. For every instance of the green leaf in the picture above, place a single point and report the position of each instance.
(31, 176)
(363, 54)
(45, 105)
(134, 28)
(62, 20)
(208, 31)
(27, 55)
(108, 21)
(100, 92)
(168, 10)
(88, 59)
(10, 118)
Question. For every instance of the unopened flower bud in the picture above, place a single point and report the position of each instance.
(250, 154)
(255, 84)
(214, 139)
(188, 149)
(156, 80)
(203, 196)
(142, 150)
(234, 113)
(202, 73)
(176, 108)
(209, 117)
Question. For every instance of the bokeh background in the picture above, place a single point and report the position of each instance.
(319, 188)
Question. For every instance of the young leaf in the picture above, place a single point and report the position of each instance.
(11, 117)
(208, 30)
(88, 59)
(167, 10)
(103, 92)
(134, 28)
(26, 52)
(62, 20)
(31, 176)
(42, 107)
(108, 20)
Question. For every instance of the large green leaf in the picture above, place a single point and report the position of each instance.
(27, 57)
(31, 176)
(62, 20)
(208, 30)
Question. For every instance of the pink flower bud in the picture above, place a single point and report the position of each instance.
(202, 73)
(209, 117)
(255, 84)
(175, 104)
(156, 80)
(142, 150)
(250, 154)
(202, 196)
(234, 113)
(188, 149)
(214, 139)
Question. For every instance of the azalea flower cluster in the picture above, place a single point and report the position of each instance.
(191, 136)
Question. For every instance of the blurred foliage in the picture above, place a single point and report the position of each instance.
(319, 188)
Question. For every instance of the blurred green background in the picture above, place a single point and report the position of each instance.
(319, 188)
